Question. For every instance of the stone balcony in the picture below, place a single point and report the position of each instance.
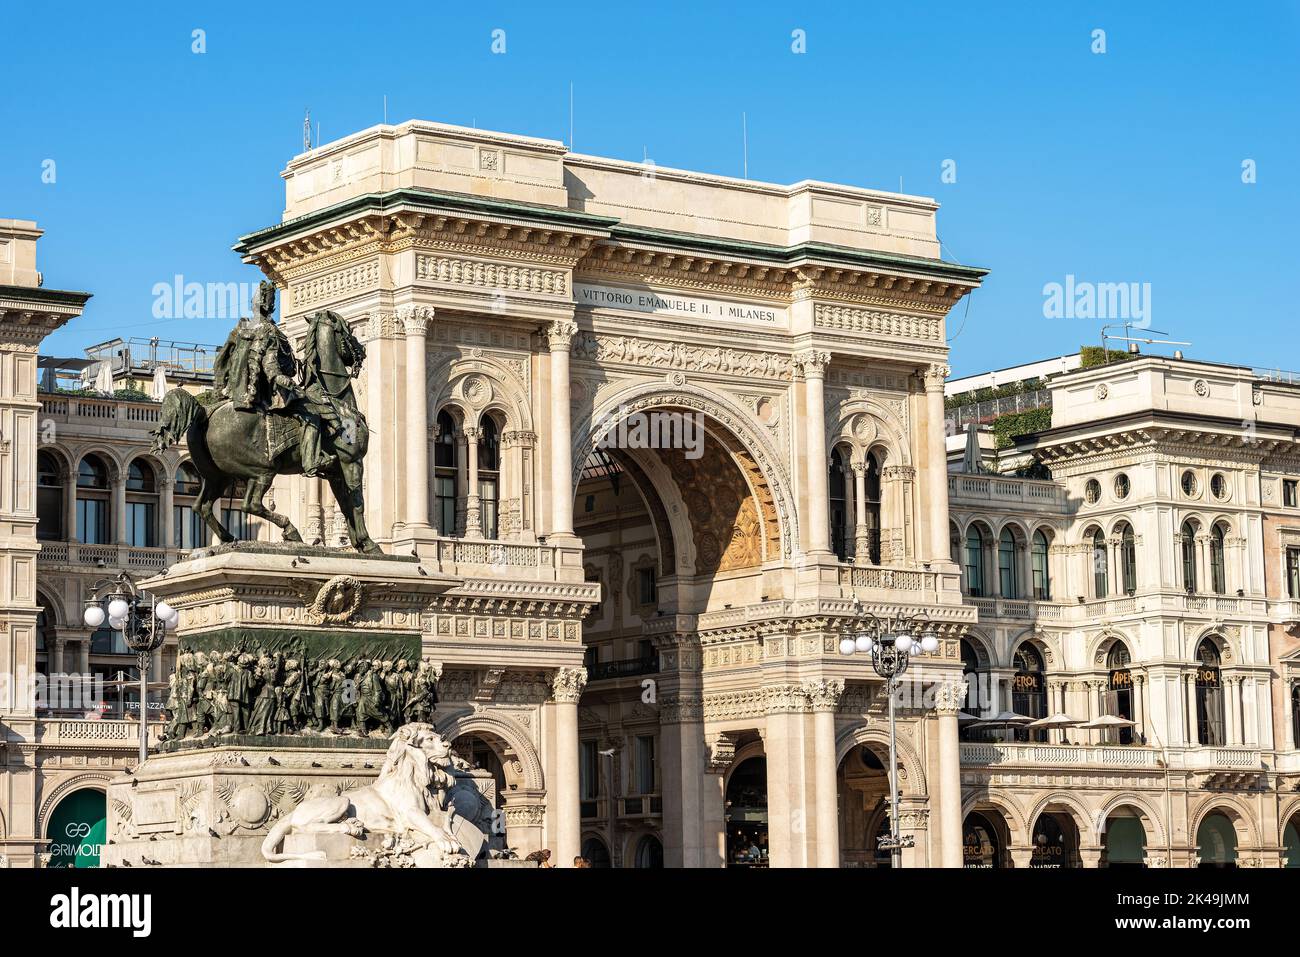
(981, 754)
(1028, 609)
(99, 411)
(103, 733)
(76, 555)
(986, 491)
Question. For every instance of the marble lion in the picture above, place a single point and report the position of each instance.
(410, 790)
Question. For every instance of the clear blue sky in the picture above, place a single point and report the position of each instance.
(1115, 167)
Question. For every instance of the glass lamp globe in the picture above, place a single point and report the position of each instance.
(174, 617)
(846, 646)
(163, 611)
(903, 643)
(94, 616)
(863, 644)
(929, 642)
(116, 623)
(117, 608)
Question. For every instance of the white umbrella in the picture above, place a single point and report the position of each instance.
(1058, 720)
(1007, 717)
(159, 382)
(1109, 721)
(104, 378)
(965, 717)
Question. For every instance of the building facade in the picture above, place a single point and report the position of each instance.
(676, 435)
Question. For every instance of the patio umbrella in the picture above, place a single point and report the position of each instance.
(965, 717)
(972, 459)
(1004, 719)
(1107, 721)
(1059, 720)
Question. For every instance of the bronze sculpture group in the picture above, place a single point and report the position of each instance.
(260, 693)
(271, 413)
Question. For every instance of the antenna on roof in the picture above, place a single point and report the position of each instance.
(744, 137)
(1134, 340)
(306, 131)
(570, 116)
(385, 109)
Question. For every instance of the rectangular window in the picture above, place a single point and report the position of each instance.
(49, 513)
(1293, 572)
(140, 524)
(237, 524)
(190, 531)
(647, 587)
(487, 503)
(645, 764)
(92, 521)
(1289, 495)
(589, 772)
(445, 494)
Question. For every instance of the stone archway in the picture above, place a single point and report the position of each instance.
(76, 828)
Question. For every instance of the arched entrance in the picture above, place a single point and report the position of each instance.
(984, 840)
(595, 851)
(1291, 842)
(863, 784)
(1055, 841)
(480, 753)
(1216, 842)
(1124, 841)
(746, 814)
(77, 829)
(649, 853)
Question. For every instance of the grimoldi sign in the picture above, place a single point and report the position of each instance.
(674, 305)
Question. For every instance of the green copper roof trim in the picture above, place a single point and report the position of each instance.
(57, 297)
(459, 202)
(463, 202)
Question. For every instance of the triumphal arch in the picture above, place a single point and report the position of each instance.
(671, 435)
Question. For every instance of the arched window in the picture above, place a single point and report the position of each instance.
(1218, 579)
(189, 529)
(49, 498)
(974, 562)
(444, 475)
(872, 508)
(971, 673)
(1188, 546)
(1209, 695)
(1100, 565)
(1128, 558)
(489, 477)
(141, 506)
(1029, 690)
(92, 501)
(1042, 575)
(1119, 697)
(649, 852)
(839, 507)
(1008, 564)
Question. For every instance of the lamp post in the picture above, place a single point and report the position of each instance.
(118, 601)
(890, 643)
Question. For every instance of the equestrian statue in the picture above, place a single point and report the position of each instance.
(270, 413)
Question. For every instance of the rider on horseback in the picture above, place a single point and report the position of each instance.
(256, 370)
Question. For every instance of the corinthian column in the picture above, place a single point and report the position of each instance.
(416, 322)
(567, 688)
(560, 337)
(824, 696)
(473, 519)
(816, 465)
(937, 471)
(949, 698)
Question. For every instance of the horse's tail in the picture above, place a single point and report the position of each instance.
(180, 411)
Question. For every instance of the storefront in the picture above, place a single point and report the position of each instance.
(981, 847)
(746, 810)
(1124, 843)
(1055, 842)
(1216, 842)
(77, 830)
(1120, 687)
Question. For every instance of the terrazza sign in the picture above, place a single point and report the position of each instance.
(673, 305)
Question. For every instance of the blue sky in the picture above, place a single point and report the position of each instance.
(1117, 167)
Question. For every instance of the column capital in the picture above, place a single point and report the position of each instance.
(722, 752)
(812, 363)
(472, 432)
(567, 684)
(824, 694)
(415, 319)
(949, 696)
(559, 335)
(935, 376)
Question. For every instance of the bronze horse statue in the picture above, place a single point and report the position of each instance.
(227, 443)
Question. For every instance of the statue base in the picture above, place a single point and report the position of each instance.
(214, 805)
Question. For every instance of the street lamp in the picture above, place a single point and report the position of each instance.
(891, 644)
(144, 632)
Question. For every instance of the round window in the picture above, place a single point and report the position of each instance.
(1092, 492)
(1219, 486)
(1122, 486)
(1189, 483)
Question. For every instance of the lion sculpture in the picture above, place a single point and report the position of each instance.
(407, 801)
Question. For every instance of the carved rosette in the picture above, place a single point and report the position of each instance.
(824, 694)
(949, 696)
(567, 685)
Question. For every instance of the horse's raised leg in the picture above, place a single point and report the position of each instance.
(209, 493)
(253, 506)
(345, 482)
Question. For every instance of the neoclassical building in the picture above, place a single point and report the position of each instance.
(675, 435)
